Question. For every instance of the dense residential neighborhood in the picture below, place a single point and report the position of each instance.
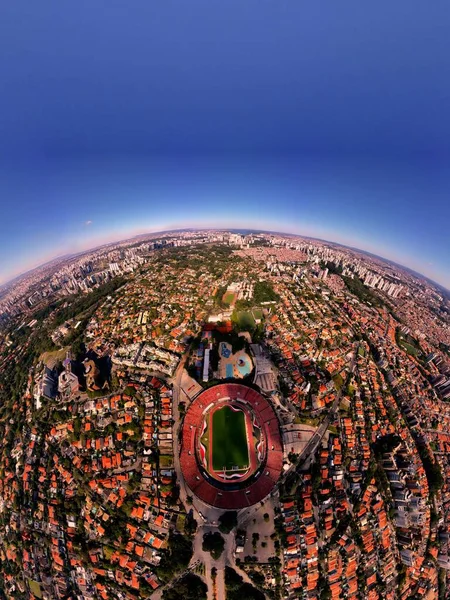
(101, 356)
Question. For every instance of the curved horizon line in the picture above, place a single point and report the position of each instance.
(216, 228)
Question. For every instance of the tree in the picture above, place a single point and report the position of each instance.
(214, 544)
(176, 558)
(257, 577)
(264, 292)
(78, 349)
(237, 589)
(190, 525)
(189, 587)
(255, 539)
(228, 521)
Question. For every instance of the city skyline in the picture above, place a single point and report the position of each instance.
(331, 123)
(176, 230)
(118, 200)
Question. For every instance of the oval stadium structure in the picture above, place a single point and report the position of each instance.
(231, 449)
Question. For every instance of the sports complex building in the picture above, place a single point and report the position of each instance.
(231, 448)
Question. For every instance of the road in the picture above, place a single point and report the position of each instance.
(310, 449)
(210, 514)
(176, 398)
(207, 517)
(217, 591)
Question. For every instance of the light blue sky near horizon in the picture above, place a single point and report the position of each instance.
(323, 119)
(377, 208)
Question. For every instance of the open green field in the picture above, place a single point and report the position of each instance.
(51, 358)
(407, 343)
(165, 461)
(228, 298)
(409, 348)
(338, 381)
(245, 319)
(229, 440)
(35, 588)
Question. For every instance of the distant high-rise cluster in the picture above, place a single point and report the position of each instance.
(377, 281)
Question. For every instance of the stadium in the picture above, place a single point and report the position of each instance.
(231, 449)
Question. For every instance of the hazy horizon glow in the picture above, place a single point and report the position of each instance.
(89, 204)
(273, 226)
(328, 122)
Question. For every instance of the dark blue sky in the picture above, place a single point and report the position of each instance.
(326, 118)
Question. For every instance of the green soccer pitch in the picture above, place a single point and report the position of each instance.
(229, 440)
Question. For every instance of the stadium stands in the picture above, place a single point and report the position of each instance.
(231, 495)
